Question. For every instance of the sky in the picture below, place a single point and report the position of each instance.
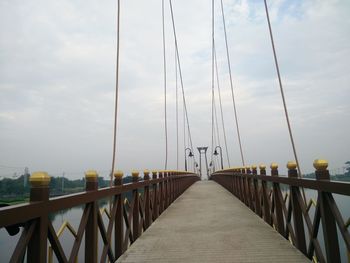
(57, 83)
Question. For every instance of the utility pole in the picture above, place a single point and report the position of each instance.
(63, 182)
(25, 177)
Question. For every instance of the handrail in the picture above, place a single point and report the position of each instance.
(335, 187)
(127, 220)
(28, 211)
(289, 213)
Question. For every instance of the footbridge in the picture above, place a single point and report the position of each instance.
(239, 215)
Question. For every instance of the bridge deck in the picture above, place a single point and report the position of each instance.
(208, 224)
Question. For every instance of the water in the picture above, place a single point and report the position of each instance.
(343, 206)
(73, 215)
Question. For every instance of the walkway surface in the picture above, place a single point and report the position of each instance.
(208, 224)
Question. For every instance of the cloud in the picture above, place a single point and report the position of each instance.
(57, 81)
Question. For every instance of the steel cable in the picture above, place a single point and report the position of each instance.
(116, 95)
(282, 95)
(220, 102)
(216, 124)
(177, 116)
(231, 84)
(180, 75)
(212, 78)
(281, 88)
(165, 90)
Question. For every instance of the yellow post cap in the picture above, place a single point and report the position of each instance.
(91, 175)
(145, 172)
(291, 165)
(39, 179)
(118, 174)
(274, 166)
(262, 166)
(135, 174)
(254, 167)
(320, 164)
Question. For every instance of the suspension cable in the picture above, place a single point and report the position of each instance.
(184, 127)
(216, 123)
(165, 90)
(212, 77)
(116, 95)
(216, 130)
(231, 84)
(180, 75)
(220, 102)
(283, 97)
(281, 89)
(177, 116)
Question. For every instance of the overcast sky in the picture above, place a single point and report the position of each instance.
(57, 82)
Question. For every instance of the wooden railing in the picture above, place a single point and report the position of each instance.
(287, 210)
(127, 219)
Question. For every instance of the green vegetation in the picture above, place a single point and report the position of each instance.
(14, 191)
(336, 177)
(347, 168)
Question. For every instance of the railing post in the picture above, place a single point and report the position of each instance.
(165, 190)
(278, 204)
(136, 217)
(161, 193)
(249, 188)
(265, 196)
(170, 193)
(177, 186)
(241, 184)
(244, 183)
(91, 178)
(256, 192)
(155, 197)
(39, 192)
(232, 182)
(147, 201)
(328, 222)
(235, 182)
(119, 223)
(297, 211)
(171, 187)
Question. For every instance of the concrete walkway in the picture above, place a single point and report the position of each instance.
(208, 224)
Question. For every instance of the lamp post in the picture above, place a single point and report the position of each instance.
(212, 166)
(195, 167)
(189, 155)
(216, 153)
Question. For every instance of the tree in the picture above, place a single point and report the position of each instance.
(347, 168)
